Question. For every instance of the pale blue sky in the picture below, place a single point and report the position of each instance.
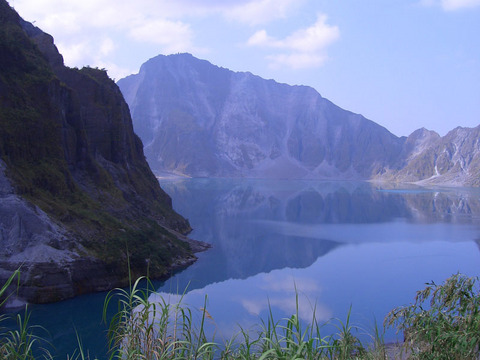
(404, 64)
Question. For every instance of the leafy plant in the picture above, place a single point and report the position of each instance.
(290, 339)
(443, 322)
(3, 291)
(18, 344)
(142, 329)
(347, 346)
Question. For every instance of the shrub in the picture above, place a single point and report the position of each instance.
(443, 322)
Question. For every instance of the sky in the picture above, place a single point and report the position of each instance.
(404, 64)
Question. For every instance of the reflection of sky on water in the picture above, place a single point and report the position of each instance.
(338, 244)
(373, 278)
(398, 231)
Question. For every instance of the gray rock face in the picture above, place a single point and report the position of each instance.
(197, 119)
(452, 160)
(26, 228)
(53, 264)
(30, 239)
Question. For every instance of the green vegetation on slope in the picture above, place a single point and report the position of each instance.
(69, 148)
(28, 133)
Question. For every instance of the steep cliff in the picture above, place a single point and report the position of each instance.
(198, 119)
(78, 197)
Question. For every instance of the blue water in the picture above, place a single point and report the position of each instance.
(337, 244)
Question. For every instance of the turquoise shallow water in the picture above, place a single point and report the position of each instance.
(339, 244)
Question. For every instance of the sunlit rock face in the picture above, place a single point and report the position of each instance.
(429, 159)
(198, 119)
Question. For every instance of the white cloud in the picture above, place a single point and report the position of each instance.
(90, 32)
(451, 5)
(114, 71)
(283, 293)
(315, 38)
(302, 49)
(296, 60)
(261, 38)
(68, 21)
(143, 20)
(107, 46)
(427, 3)
(174, 36)
(121, 13)
(289, 284)
(75, 53)
(92, 53)
(260, 11)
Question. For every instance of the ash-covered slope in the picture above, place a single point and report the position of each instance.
(452, 160)
(77, 196)
(198, 119)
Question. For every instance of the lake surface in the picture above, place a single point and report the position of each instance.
(337, 244)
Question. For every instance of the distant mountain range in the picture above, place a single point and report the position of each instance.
(430, 159)
(197, 119)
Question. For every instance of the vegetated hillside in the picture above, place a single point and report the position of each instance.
(77, 196)
(198, 119)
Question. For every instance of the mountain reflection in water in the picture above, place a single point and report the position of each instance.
(257, 226)
(335, 244)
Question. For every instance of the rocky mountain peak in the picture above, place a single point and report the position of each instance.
(198, 119)
(418, 141)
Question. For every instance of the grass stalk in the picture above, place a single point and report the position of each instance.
(442, 323)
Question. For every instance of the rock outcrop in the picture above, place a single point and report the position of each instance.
(452, 160)
(79, 203)
(197, 119)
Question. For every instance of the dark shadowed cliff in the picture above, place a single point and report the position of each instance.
(77, 195)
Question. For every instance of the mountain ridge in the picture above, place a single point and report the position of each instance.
(246, 126)
(198, 119)
(451, 160)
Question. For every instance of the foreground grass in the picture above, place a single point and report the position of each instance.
(442, 323)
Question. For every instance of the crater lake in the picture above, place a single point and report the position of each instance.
(342, 247)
